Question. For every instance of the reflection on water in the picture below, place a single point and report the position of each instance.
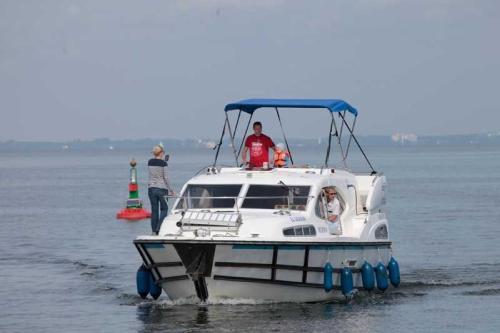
(361, 314)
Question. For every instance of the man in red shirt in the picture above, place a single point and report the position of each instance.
(259, 145)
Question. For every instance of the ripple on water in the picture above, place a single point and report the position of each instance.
(455, 276)
(483, 292)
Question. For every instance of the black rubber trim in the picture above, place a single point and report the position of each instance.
(166, 264)
(278, 266)
(278, 282)
(173, 278)
(288, 243)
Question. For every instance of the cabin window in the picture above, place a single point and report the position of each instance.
(209, 196)
(276, 197)
(301, 230)
(381, 232)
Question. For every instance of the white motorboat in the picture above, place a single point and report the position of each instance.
(263, 234)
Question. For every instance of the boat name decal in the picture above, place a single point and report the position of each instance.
(297, 218)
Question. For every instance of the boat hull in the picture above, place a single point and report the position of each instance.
(264, 271)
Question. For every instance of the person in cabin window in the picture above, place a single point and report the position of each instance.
(258, 145)
(333, 210)
(158, 188)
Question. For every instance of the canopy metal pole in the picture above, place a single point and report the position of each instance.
(237, 122)
(350, 137)
(220, 143)
(284, 136)
(359, 146)
(244, 136)
(342, 126)
(232, 139)
(329, 142)
(339, 142)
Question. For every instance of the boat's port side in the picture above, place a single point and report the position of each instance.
(204, 270)
(297, 265)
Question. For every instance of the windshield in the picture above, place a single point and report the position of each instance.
(206, 196)
(276, 197)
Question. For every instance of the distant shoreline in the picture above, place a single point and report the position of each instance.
(208, 144)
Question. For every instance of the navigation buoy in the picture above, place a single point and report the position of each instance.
(346, 282)
(143, 281)
(381, 277)
(154, 289)
(393, 268)
(367, 276)
(134, 210)
(328, 277)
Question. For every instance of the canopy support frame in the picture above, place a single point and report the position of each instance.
(339, 137)
(329, 142)
(333, 126)
(237, 122)
(220, 143)
(350, 138)
(245, 134)
(357, 143)
(284, 136)
(232, 139)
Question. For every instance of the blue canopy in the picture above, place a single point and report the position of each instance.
(250, 105)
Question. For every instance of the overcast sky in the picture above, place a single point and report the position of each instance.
(135, 69)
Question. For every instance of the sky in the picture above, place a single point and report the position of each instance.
(165, 69)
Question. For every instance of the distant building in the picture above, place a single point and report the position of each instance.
(205, 144)
(403, 138)
(209, 144)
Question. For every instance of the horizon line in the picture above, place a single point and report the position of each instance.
(2, 141)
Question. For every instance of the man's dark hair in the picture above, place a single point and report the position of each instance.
(257, 123)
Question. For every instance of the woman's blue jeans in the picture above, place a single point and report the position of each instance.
(159, 207)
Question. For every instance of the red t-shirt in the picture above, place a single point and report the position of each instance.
(259, 149)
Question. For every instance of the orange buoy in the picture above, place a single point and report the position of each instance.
(133, 210)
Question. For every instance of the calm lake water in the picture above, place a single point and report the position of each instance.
(67, 265)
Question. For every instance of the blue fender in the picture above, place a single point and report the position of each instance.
(393, 268)
(143, 281)
(381, 277)
(346, 282)
(154, 289)
(367, 275)
(328, 277)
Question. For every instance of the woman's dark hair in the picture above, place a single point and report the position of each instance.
(257, 123)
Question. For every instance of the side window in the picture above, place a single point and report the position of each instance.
(276, 197)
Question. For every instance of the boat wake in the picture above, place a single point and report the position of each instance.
(212, 301)
(483, 292)
(481, 274)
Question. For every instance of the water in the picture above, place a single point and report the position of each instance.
(68, 266)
